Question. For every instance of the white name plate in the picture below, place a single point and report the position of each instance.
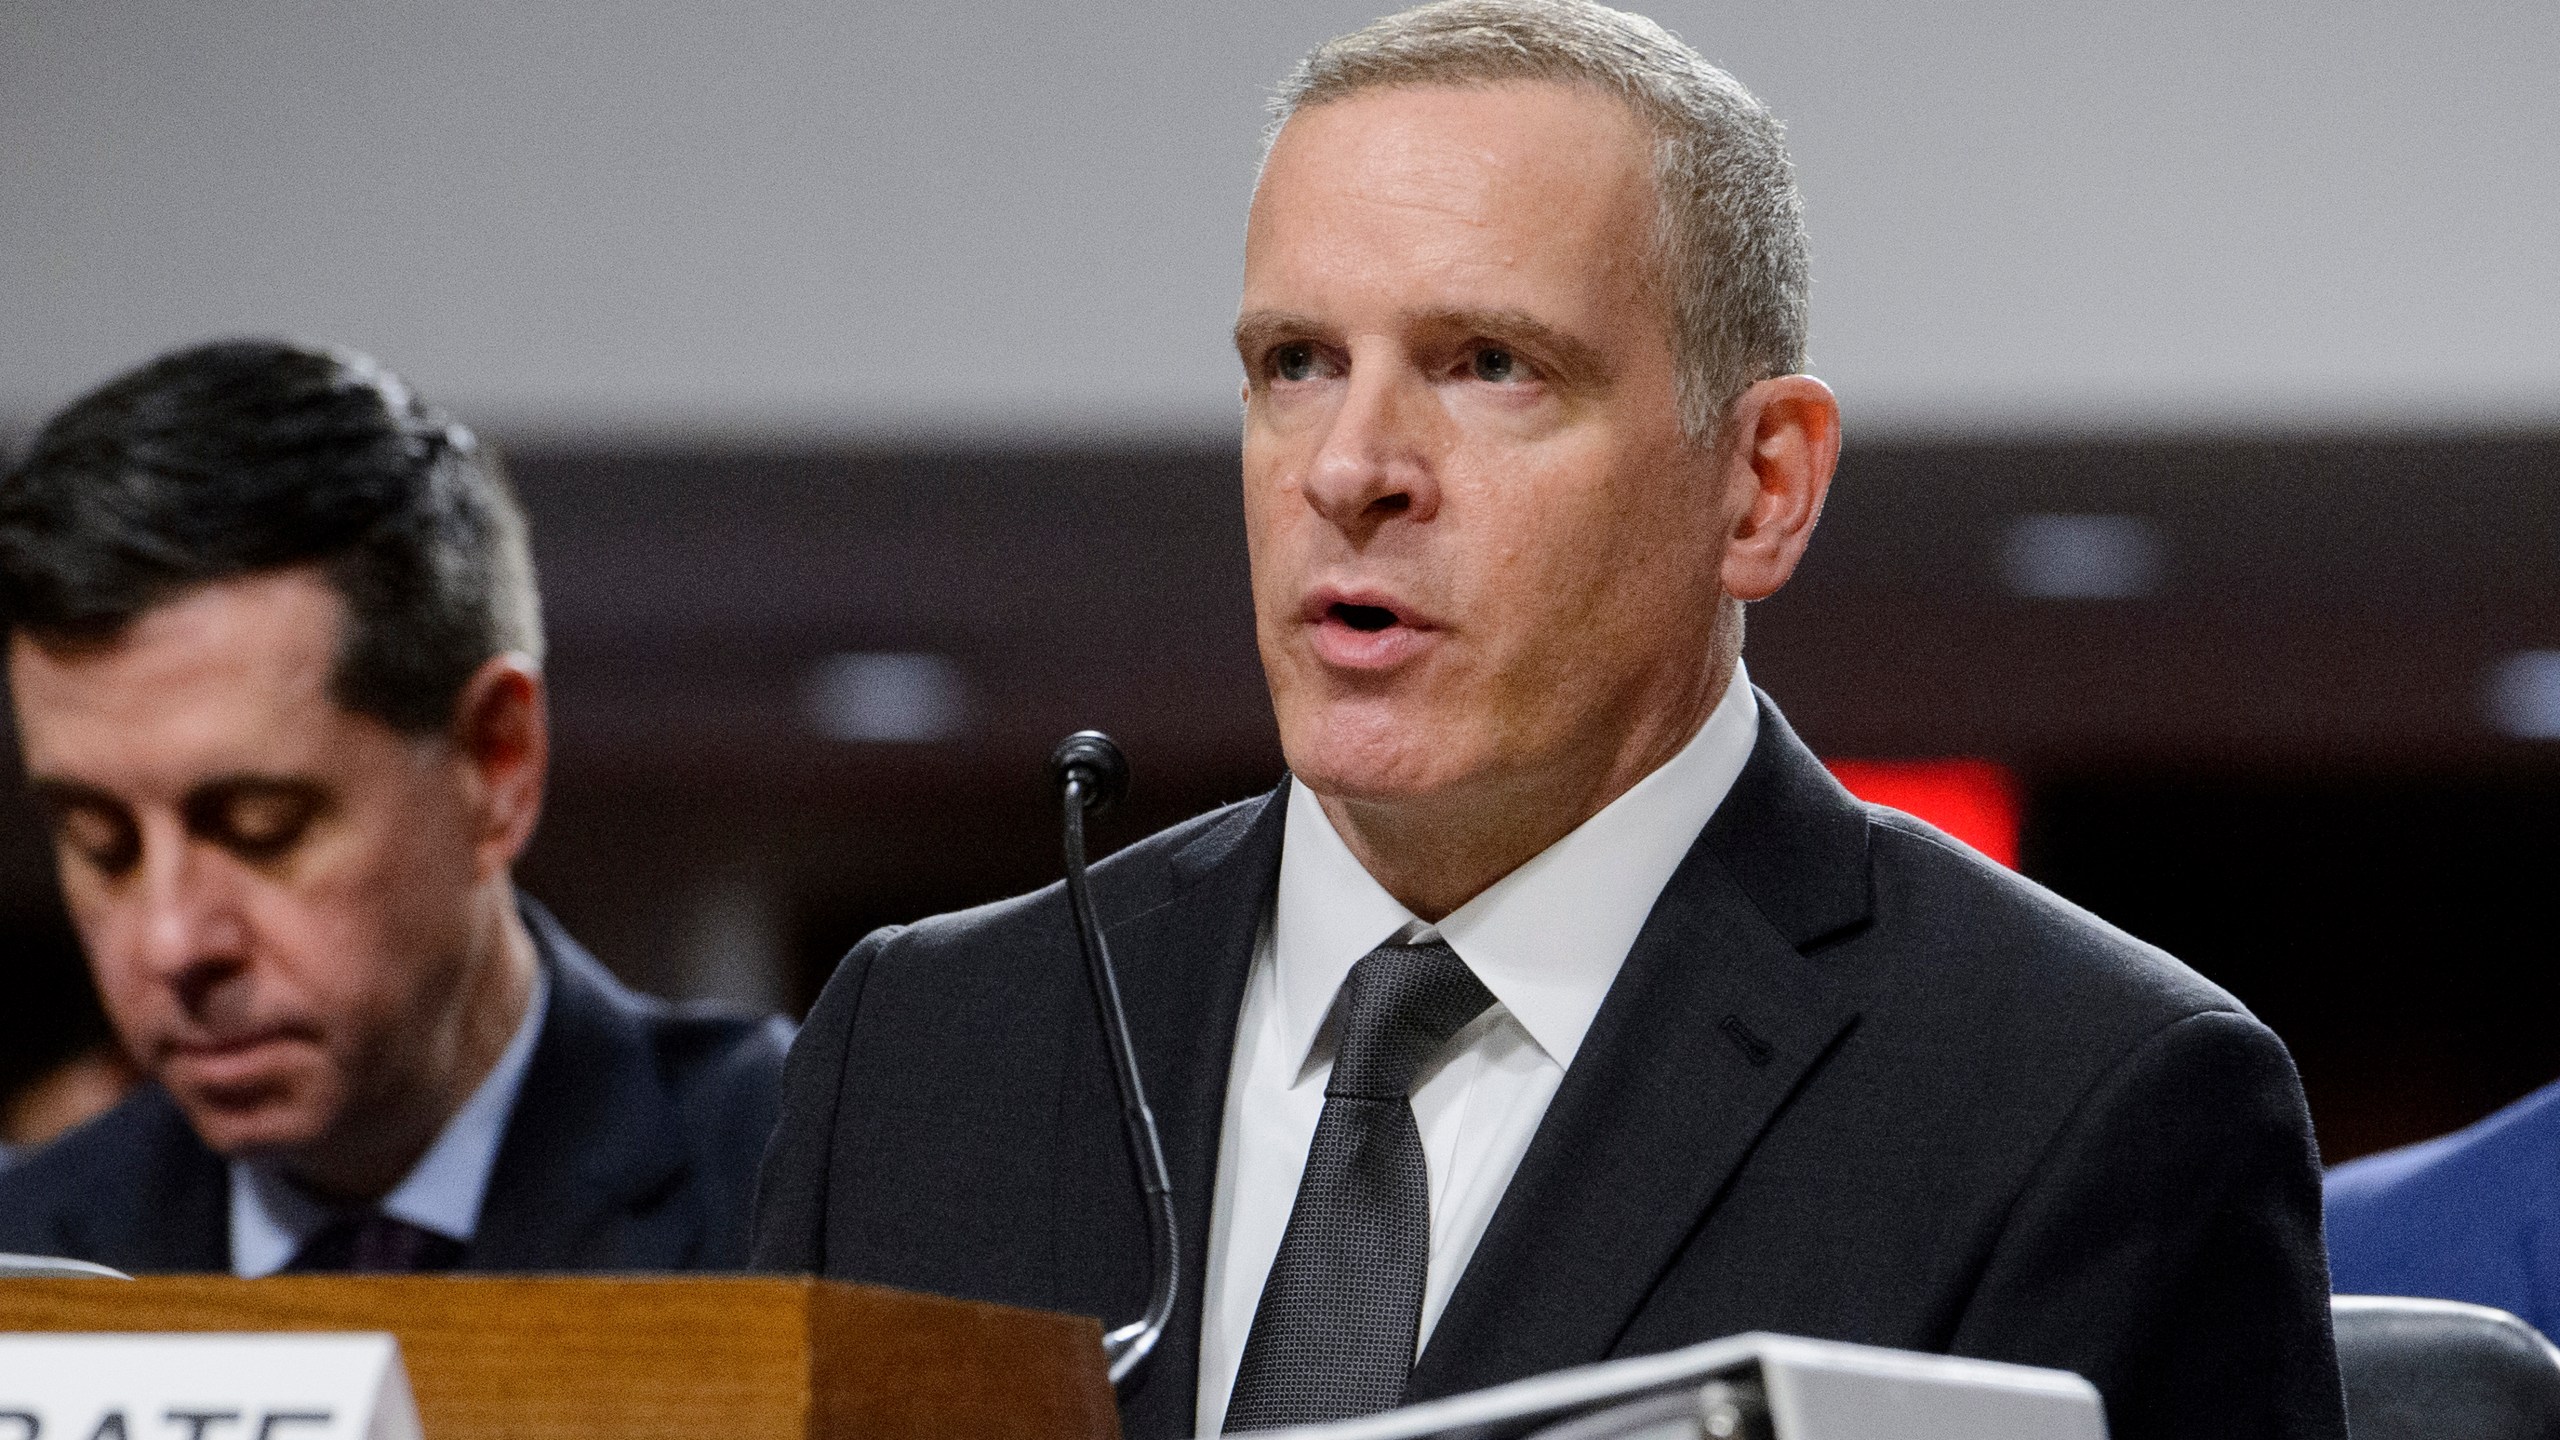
(204, 1387)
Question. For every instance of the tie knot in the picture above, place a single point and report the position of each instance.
(1400, 1005)
(370, 1242)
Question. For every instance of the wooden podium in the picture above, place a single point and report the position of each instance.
(570, 1358)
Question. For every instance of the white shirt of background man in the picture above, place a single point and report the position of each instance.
(1547, 940)
(272, 1218)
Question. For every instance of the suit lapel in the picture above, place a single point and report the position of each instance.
(169, 1210)
(1716, 1017)
(1183, 966)
(589, 1175)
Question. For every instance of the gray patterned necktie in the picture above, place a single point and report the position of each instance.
(1334, 1334)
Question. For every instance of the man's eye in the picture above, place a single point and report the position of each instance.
(1496, 365)
(106, 840)
(1293, 362)
(261, 826)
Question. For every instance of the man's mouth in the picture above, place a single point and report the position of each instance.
(227, 1044)
(1365, 631)
(235, 1058)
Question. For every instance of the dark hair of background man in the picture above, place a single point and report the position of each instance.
(242, 456)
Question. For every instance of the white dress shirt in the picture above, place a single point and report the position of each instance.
(1547, 940)
(271, 1217)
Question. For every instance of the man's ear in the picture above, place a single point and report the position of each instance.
(1782, 439)
(502, 734)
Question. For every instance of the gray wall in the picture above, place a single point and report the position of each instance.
(867, 219)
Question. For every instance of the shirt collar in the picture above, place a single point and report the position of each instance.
(271, 1217)
(1548, 938)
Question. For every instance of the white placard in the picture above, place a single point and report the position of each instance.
(204, 1387)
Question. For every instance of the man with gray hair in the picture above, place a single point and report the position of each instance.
(1557, 1005)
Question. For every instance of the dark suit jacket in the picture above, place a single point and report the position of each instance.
(632, 1146)
(1853, 1081)
(2474, 1215)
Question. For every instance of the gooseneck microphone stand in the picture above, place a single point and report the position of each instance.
(1090, 773)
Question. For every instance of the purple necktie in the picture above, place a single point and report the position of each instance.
(368, 1242)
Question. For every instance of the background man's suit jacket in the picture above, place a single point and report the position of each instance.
(2474, 1215)
(1854, 1081)
(633, 1146)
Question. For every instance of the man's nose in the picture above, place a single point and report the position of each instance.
(1375, 462)
(186, 928)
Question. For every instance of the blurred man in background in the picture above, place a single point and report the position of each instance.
(1558, 1006)
(59, 1064)
(2474, 1215)
(275, 651)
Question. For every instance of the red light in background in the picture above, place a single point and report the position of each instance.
(1976, 801)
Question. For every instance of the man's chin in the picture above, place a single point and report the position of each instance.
(248, 1123)
(1363, 762)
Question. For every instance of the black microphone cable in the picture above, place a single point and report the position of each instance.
(1091, 773)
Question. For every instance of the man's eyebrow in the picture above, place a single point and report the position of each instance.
(57, 791)
(1576, 357)
(1259, 328)
(54, 792)
(250, 782)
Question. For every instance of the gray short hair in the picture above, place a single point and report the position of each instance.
(1729, 242)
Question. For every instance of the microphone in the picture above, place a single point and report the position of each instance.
(1091, 773)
